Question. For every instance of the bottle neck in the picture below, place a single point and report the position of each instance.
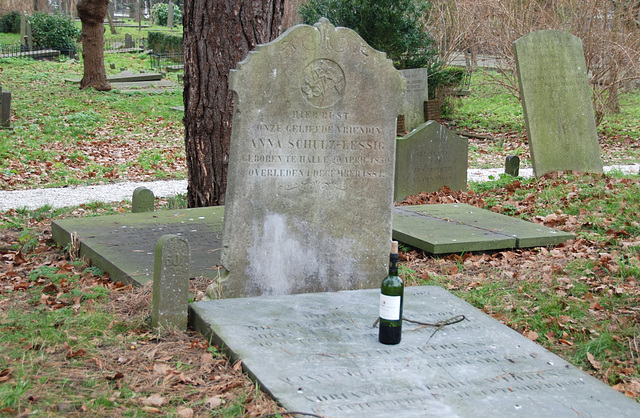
(393, 264)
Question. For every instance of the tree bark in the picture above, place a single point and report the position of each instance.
(217, 35)
(92, 14)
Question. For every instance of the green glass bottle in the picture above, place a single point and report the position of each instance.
(391, 298)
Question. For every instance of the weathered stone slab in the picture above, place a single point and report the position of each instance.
(415, 95)
(170, 300)
(142, 200)
(310, 180)
(557, 104)
(456, 228)
(318, 353)
(125, 77)
(429, 158)
(123, 245)
(158, 86)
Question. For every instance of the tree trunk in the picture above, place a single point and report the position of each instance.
(217, 35)
(92, 14)
(291, 16)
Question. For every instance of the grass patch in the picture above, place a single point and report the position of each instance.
(63, 135)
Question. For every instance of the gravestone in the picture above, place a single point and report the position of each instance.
(26, 38)
(170, 298)
(415, 95)
(512, 165)
(310, 181)
(170, 15)
(143, 200)
(429, 158)
(128, 41)
(557, 104)
(5, 109)
(319, 353)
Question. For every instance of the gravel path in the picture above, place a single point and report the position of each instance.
(73, 196)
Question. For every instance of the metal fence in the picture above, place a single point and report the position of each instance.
(17, 50)
(172, 61)
(126, 44)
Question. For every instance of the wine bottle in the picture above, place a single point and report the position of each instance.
(391, 298)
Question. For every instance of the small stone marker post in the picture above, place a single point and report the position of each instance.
(5, 109)
(415, 95)
(429, 158)
(310, 181)
(143, 200)
(171, 282)
(512, 165)
(557, 104)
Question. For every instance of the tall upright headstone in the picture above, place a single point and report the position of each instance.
(170, 297)
(415, 95)
(310, 179)
(557, 103)
(429, 158)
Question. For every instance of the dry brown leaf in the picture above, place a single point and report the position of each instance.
(75, 354)
(214, 401)
(185, 412)
(151, 409)
(117, 376)
(154, 400)
(5, 375)
(530, 334)
(594, 363)
(161, 368)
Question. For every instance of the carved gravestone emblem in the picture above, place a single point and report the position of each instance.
(322, 83)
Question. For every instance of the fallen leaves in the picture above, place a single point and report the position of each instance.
(5, 375)
(154, 400)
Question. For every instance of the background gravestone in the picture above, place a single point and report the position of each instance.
(415, 95)
(429, 158)
(170, 298)
(143, 200)
(512, 165)
(310, 181)
(557, 103)
(5, 109)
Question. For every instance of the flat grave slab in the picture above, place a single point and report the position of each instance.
(123, 245)
(154, 86)
(452, 228)
(318, 353)
(124, 77)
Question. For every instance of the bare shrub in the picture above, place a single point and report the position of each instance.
(609, 30)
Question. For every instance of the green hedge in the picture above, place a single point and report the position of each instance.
(53, 31)
(163, 43)
(10, 23)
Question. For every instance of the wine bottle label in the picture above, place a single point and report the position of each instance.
(390, 307)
